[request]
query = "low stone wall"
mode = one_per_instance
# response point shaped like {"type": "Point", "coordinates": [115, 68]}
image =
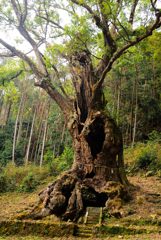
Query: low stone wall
{"type": "Point", "coordinates": [104, 231]}
{"type": "Point", "coordinates": [37, 228]}
{"type": "Point", "coordinates": [49, 229]}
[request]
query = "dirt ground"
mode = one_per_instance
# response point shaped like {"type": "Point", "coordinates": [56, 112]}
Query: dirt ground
{"type": "Point", "coordinates": [132, 237]}
{"type": "Point", "coordinates": [146, 198]}
{"type": "Point", "coordinates": [144, 204]}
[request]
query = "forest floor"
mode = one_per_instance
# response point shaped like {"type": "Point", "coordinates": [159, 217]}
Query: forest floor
{"type": "Point", "coordinates": [144, 206]}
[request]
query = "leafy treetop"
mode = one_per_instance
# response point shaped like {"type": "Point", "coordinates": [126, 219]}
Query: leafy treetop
{"type": "Point", "coordinates": [104, 30]}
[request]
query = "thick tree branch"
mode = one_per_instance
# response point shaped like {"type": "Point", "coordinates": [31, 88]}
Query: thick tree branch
{"type": "Point", "coordinates": [16, 10]}
{"type": "Point", "coordinates": [25, 11]}
{"type": "Point", "coordinates": [132, 14]}
{"type": "Point", "coordinates": [108, 39]}
{"type": "Point", "coordinates": [102, 24]}
{"type": "Point", "coordinates": [62, 102]}
{"type": "Point", "coordinates": [95, 16]}
{"type": "Point", "coordinates": [25, 34]}
{"type": "Point", "coordinates": [43, 81]}
{"type": "Point", "coordinates": [149, 30]}
{"type": "Point", "coordinates": [21, 18]}
{"type": "Point", "coordinates": [7, 55]}
{"type": "Point", "coordinates": [16, 52]}
{"type": "Point", "coordinates": [113, 28]}
{"type": "Point", "coordinates": [153, 5]}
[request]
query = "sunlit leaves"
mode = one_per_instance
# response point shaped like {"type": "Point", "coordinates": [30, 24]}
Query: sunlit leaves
{"type": "Point", "coordinates": [62, 27]}
{"type": "Point", "coordinates": [154, 45]}
{"type": "Point", "coordinates": [11, 92]}
{"type": "Point", "coordinates": [8, 70]}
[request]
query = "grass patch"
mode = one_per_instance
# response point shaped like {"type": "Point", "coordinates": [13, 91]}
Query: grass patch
{"type": "Point", "coordinates": [23, 179]}
{"type": "Point", "coordinates": [26, 179]}
{"type": "Point", "coordinates": [143, 158]}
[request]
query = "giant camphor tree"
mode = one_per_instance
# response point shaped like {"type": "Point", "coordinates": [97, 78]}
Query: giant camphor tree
{"type": "Point", "coordinates": [95, 34]}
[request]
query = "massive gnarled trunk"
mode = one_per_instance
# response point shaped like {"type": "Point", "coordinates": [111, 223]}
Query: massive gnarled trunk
{"type": "Point", "coordinates": [97, 177]}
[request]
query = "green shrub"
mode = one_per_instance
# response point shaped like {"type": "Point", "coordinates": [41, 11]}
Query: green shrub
{"type": "Point", "coordinates": [63, 166]}
{"type": "Point", "coordinates": [3, 183]}
{"type": "Point", "coordinates": [6, 155]}
{"type": "Point", "coordinates": [7, 185]}
{"type": "Point", "coordinates": [19, 155]}
{"type": "Point", "coordinates": [147, 159]}
{"type": "Point", "coordinates": [23, 179]}
{"type": "Point", "coordinates": [144, 156]}
{"type": "Point", "coordinates": [29, 183]}
{"type": "Point", "coordinates": [67, 157]}
{"type": "Point", "coordinates": [61, 163]}
{"type": "Point", "coordinates": [155, 136]}
{"type": "Point", "coordinates": [53, 167]}
{"type": "Point", "coordinates": [26, 179]}
{"type": "Point", "coordinates": [48, 156]}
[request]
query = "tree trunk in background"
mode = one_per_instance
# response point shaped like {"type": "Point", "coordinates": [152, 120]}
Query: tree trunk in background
{"type": "Point", "coordinates": [38, 142]}
{"type": "Point", "coordinates": [28, 148]}
{"type": "Point", "coordinates": [43, 143]}
{"type": "Point", "coordinates": [54, 149]}
{"type": "Point", "coordinates": [55, 144]}
{"type": "Point", "coordinates": [21, 118]}
{"type": "Point", "coordinates": [113, 108]}
{"type": "Point", "coordinates": [1, 104]}
{"type": "Point", "coordinates": [136, 107]}
{"type": "Point", "coordinates": [9, 111]}
{"type": "Point", "coordinates": [131, 114]}
{"type": "Point", "coordinates": [28, 127]}
{"type": "Point", "coordinates": [4, 116]}
{"type": "Point", "coordinates": [41, 137]}
{"type": "Point", "coordinates": [38, 128]}
{"type": "Point", "coordinates": [59, 145]}
{"type": "Point", "coordinates": [118, 100]}
{"type": "Point", "coordinates": [45, 128]}
{"type": "Point", "coordinates": [15, 132]}
{"type": "Point", "coordinates": [62, 136]}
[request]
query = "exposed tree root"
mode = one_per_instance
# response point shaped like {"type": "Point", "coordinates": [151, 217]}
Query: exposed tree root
{"type": "Point", "coordinates": [69, 195]}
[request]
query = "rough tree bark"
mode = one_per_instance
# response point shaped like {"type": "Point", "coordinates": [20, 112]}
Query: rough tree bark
{"type": "Point", "coordinates": [98, 176]}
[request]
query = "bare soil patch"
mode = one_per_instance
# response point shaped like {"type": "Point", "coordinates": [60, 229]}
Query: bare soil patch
{"type": "Point", "coordinates": [146, 198]}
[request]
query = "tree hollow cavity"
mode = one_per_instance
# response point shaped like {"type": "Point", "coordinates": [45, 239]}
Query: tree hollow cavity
{"type": "Point", "coordinates": [91, 198]}
{"type": "Point", "coordinates": [90, 175]}
{"type": "Point", "coordinates": [96, 137]}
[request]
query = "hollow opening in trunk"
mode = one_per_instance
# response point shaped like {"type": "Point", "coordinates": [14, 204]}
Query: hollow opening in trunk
{"type": "Point", "coordinates": [96, 137]}
{"type": "Point", "coordinates": [94, 199]}
{"type": "Point", "coordinates": [90, 175]}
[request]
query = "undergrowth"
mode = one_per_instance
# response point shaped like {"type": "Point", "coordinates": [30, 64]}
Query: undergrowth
{"type": "Point", "coordinates": [22, 179]}
{"type": "Point", "coordinates": [26, 179]}
{"type": "Point", "coordinates": [143, 158]}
